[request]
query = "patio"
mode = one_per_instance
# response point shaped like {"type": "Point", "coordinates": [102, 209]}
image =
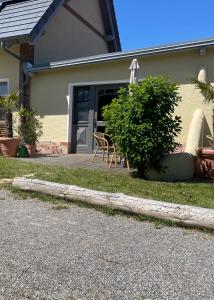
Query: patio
{"type": "Point", "coordinates": [75, 161]}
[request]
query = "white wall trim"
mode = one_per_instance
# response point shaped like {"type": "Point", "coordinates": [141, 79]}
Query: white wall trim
{"type": "Point", "coordinates": [70, 99]}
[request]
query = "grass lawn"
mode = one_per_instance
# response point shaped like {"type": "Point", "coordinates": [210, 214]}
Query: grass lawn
{"type": "Point", "coordinates": [198, 194]}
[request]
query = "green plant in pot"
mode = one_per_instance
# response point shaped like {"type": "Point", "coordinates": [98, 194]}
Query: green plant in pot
{"type": "Point", "coordinates": [207, 91]}
{"type": "Point", "coordinates": [9, 143]}
{"type": "Point", "coordinates": [30, 128]}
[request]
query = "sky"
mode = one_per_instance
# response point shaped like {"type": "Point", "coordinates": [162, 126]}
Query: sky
{"type": "Point", "coordinates": [145, 23]}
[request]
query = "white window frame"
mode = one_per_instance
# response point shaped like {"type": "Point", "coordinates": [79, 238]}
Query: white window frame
{"type": "Point", "coordinates": [7, 81]}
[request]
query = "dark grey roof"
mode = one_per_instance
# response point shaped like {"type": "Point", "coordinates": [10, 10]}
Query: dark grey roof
{"type": "Point", "coordinates": [24, 19]}
{"type": "Point", "coordinates": [197, 45]}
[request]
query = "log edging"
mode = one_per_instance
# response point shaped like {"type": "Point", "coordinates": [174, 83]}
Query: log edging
{"type": "Point", "coordinates": [178, 213]}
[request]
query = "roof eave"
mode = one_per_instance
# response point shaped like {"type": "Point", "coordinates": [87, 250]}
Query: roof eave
{"type": "Point", "coordinates": [110, 24]}
{"type": "Point", "coordinates": [20, 39]}
{"type": "Point", "coordinates": [115, 26]}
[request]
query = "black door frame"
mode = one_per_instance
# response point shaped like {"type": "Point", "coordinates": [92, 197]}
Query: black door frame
{"type": "Point", "coordinates": [92, 116]}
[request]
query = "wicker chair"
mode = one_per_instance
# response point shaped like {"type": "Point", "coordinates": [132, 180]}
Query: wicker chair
{"type": "Point", "coordinates": [103, 145]}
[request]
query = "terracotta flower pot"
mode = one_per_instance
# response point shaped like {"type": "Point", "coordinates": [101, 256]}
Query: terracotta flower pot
{"type": "Point", "coordinates": [31, 149]}
{"type": "Point", "coordinates": [9, 146]}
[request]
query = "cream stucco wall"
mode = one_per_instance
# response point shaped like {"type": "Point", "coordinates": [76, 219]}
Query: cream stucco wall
{"type": "Point", "coordinates": [9, 68]}
{"type": "Point", "coordinates": [66, 37]}
{"type": "Point", "coordinates": [49, 100]}
{"type": "Point", "coordinates": [50, 88]}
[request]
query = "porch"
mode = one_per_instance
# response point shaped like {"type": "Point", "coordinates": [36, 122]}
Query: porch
{"type": "Point", "coordinates": [75, 161]}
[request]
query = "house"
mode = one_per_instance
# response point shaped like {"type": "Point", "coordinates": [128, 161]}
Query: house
{"type": "Point", "coordinates": [66, 58]}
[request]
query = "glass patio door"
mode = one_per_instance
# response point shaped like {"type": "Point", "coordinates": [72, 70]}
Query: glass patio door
{"type": "Point", "coordinates": [83, 124]}
{"type": "Point", "coordinates": [87, 114]}
{"type": "Point", "coordinates": [104, 96]}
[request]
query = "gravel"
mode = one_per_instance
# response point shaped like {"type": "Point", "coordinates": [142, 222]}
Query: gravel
{"type": "Point", "coordinates": [80, 253]}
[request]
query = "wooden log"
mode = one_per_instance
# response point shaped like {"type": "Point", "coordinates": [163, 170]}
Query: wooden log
{"type": "Point", "coordinates": [180, 214]}
{"type": "Point", "coordinates": [5, 181]}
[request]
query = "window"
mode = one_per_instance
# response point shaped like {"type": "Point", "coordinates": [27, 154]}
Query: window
{"type": "Point", "coordinates": [4, 90]}
{"type": "Point", "coordinates": [82, 100]}
{"type": "Point", "coordinates": [4, 87]}
{"type": "Point", "coordinates": [105, 97]}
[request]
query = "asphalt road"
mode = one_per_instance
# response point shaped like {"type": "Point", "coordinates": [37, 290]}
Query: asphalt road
{"type": "Point", "coordinates": [81, 253]}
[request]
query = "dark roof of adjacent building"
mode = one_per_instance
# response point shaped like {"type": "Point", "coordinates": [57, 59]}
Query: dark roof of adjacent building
{"type": "Point", "coordinates": [23, 20]}
{"type": "Point", "coordinates": [117, 56]}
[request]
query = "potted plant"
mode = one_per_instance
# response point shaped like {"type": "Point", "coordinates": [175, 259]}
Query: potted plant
{"type": "Point", "coordinates": [30, 129]}
{"type": "Point", "coordinates": [9, 143]}
{"type": "Point", "coordinates": [207, 91]}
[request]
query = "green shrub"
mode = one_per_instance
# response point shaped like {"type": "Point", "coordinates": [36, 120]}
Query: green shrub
{"type": "Point", "coordinates": [141, 121]}
{"type": "Point", "coordinates": [30, 128]}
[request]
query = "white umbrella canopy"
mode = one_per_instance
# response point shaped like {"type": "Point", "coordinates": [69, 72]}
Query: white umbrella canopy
{"type": "Point", "coordinates": [134, 71]}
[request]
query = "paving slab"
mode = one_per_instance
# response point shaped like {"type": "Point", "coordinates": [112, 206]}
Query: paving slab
{"type": "Point", "coordinates": [81, 253]}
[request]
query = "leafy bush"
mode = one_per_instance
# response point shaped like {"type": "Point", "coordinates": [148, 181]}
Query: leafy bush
{"type": "Point", "coordinates": [206, 89]}
{"type": "Point", "coordinates": [30, 128]}
{"type": "Point", "coordinates": [141, 121]}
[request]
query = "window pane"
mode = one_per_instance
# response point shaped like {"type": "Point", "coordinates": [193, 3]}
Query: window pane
{"type": "Point", "coordinates": [3, 88]}
{"type": "Point", "coordinates": [82, 104]}
{"type": "Point", "coordinates": [82, 136]}
{"type": "Point", "coordinates": [104, 99]}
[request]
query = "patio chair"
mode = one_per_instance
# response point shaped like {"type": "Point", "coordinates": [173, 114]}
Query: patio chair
{"type": "Point", "coordinates": [103, 145]}
{"type": "Point", "coordinates": [2, 129]}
